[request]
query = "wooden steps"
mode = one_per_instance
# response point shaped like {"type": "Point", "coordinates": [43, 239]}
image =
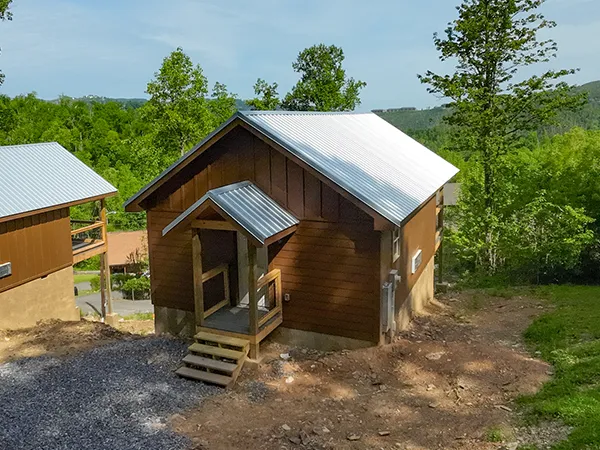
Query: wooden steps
{"type": "Point", "coordinates": [214, 359]}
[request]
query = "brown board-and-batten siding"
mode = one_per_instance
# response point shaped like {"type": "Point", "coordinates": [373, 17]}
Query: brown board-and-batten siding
{"type": "Point", "coordinates": [36, 246]}
{"type": "Point", "coordinates": [330, 266]}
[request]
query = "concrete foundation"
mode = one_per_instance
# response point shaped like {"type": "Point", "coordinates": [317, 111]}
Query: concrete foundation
{"type": "Point", "coordinates": [175, 322]}
{"type": "Point", "coordinates": [319, 341]}
{"type": "Point", "coordinates": [420, 295]}
{"type": "Point", "coordinates": [50, 297]}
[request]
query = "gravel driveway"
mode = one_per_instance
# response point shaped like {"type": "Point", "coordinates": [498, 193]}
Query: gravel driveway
{"type": "Point", "coordinates": [116, 396]}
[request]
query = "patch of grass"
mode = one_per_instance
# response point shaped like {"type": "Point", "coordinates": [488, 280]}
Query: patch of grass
{"type": "Point", "coordinates": [527, 447]}
{"type": "Point", "coordinates": [83, 277]}
{"type": "Point", "coordinates": [569, 338]}
{"type": "Point", "coordinates": [82, 292]}
{"type": "Point", "coordinates": [494, 434]}
{"type": "Point", "coordinates": [139, 316]}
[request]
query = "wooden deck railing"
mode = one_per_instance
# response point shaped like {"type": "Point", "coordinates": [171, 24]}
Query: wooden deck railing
{"type": "Point", "coordinates": [222, 269]}
{"type": "Point", "coordinates": [91, 225]}
{"type": "Point", "coordinates": [273, 277]}
{"type": "Point", "coordinates": [87, 240]}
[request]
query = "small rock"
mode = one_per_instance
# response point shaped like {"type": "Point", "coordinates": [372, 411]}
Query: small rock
{"type": "Point", "coordinates": [505, 408]}
{"type": "Point", "coordinates": [384, 433]}
{"type": "Point", "coordinates": [433, 405]}
{"type": "Point", "coordinates": [304, 437]}
{"type": "Point", "coordinates": [353, 437]}
{"type": "Point", "coordinates": [286, 427]}
{"type": "Point", "coordinates": [285, 356]}
{"type": "Point", "coordinates": [430, 387]}
{"type": "Point", "coordinates": [434, 356]}
{"type": "Point", "coordinates": [295, 440]}
{"type": "Point", "coordinates": [289, 380]}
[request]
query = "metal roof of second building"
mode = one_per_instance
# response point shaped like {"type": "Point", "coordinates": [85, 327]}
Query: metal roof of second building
{"type": "Point", "coordinates": [39, 176]}
{"type": "Point", "coordinates": [248, 206]}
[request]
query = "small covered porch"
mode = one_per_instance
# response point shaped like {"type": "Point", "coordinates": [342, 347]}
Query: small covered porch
{"type": "Point", "coordinates": [235, 293]}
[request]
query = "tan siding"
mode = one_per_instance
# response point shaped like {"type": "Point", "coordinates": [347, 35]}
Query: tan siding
{"type": "Point", "coordinates": [417, 233]}
{"type": "Point", "coordinates": [36, 246]}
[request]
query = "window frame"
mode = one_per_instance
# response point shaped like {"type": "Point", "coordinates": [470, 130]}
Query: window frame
{"type": "Point", "coordinates": [396, 244]}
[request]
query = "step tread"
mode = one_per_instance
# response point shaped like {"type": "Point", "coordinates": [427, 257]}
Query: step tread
{"type": "Point", "coordinates": [201, 375]}
{"type": "Point", "coordinates": [216, 351]}
{"type": "Point", "coordinates": [220, 339]}
{"type": "Point", "coordinates": [209, 363]}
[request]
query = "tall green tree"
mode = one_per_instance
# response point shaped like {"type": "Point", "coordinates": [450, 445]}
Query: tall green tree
{"type": "Point", "coordinates": [323, 84]}
{"type": "Point", "coordinates": [180, 109]}
{"type": "Point", "coordinates": [492, 105]}
{"type": "Point", "coordinates": [267, 97]}
{"type": "Point", "coordinates": [5, 14]}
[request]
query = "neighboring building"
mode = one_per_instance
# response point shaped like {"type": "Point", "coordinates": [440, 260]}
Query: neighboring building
{"type": "Point", "coordinates": [126, 250]}
{"type": "Point", "coordinates": [451, 193]}
{"type": "Point", "coordinates": [324, 223]}
{"type": "Point", "coordinates": [38, 242]}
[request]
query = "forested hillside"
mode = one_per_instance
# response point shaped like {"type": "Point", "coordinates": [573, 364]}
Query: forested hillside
{"type": "Point", "coordinates": [417, 121]}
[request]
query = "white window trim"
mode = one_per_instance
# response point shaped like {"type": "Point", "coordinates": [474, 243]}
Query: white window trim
{"type": "Point", "coordinates": [396, 237]}
{"type": "Point", "coordinates": [418, 256]}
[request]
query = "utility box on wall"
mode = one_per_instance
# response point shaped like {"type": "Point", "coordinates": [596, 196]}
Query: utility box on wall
{"type": "Point", "coordinates": [5, 270]}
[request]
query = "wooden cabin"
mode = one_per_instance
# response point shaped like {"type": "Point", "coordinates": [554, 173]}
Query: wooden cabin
{"type": "Point", "coordinates": [324, 225]}
{"type": "Point", "coordinates": [39, 243]}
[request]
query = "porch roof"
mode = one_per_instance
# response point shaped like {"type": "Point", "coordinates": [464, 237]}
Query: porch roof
{"type": "Point", "coordinates": [249, 209]}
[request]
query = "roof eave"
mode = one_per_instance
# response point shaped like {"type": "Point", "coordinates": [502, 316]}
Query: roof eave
{"type": "Point", "coordinates": [133, 204]}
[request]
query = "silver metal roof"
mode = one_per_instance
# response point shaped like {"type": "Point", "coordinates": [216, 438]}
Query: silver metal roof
{"type": "Point", "coordinates": [38, 176]}
{"type": "Point", "coordinates": [361, 153]}
{"type": "Point", "coordinates": [248, 206]}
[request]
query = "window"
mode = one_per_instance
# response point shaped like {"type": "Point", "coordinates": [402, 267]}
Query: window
{"type": "Point", "coordinates": [396, 244]}
{"type": "Point", "coordinates": [416, 261]}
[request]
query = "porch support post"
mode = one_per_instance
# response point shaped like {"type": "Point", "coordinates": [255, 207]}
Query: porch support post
{"type": "Point", "coordinates": [105, 294]}
{"type": "Point", "coordinates": [198, 288]}
{"type": "Point", "coordinates": [252, 299]}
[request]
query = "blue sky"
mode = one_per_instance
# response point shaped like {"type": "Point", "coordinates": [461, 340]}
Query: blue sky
{"type": "Point", "coordinates": [113, 47]}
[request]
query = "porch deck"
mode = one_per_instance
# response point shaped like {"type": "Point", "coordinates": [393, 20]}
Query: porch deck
{"type": "Point", "coordinates": [234, 320]}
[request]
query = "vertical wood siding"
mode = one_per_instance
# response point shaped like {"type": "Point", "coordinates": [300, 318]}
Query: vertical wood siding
{"type": "Point", "coordinates": [330, 265]}
{"type": "Point", "coordinates": [330, 270]}
{"type": "Point", "coordinates": [36, 246]}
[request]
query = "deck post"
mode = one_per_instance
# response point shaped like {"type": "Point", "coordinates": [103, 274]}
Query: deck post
{"type": "Point", "coordinates": [105, 293]}
{"type": "Point", "coordinates": [198, 288]}
{"type": "Point", "coordinates": [252, 299]}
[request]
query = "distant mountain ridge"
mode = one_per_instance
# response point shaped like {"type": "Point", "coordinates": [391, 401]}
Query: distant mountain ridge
{"type": "Point", "coordinates": [133, 102]}
{"type": "Point", "coordinates": [409, 120]}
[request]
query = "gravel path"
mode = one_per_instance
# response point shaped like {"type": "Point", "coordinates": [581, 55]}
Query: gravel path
{"type": "Point", "coordinates": [112, 397]}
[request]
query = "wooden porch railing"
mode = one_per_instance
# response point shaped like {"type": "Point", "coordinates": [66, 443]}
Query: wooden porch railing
{"type": "Point", "coordinates": [273, 277]}
{"type": "Point", "coordinates": [91, 225]}
{"type": "Point", "coordinates": [222, 269]}
{"type": "Point", "coordinates": [86, 245]}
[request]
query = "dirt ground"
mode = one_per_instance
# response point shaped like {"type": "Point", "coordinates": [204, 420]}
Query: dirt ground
{"type": "Point", "coordinates": [448, 382]}
{"type": "Point", "coordinates": [56, 338]}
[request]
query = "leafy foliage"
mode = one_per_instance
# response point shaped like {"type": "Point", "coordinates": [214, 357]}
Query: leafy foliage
{"type": "Point", "coordinates": [267, 98]}
{"type": "Point", "coordinates": [179, 110]}
{"type": "Point", "coordinates": [491, 111]}
{"type": "Point", "coordinates": [136, 288]}
{"type": "Point", "coordinates": [5, 14]}
{"type": "Point", "coordinates": [323, 84]}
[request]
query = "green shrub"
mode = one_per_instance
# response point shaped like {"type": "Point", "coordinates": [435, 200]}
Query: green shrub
{"type": "Point", "coordinates": [89, 264]}
{"type": "Point", "coordinates": [95, 283]}
{"type": "Point", "coordinates": [117, 280]}
{"type": "Point", "coordinates": [137, 288]}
